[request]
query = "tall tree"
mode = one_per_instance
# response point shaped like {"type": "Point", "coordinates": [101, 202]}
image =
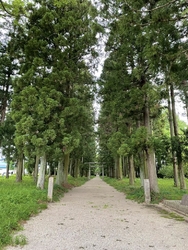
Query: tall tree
{"type": "Point", "coordinates": [51, 50]}
{"type": "Point", "coordinates": [144, 36]}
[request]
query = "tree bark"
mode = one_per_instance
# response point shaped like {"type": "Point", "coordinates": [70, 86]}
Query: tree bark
{"type": "Point", "coordinates": [142, 167]}
{"type": "Point", "coordinates": [118, 167]}
{"type": "Point", "coordinates": [150, 155]}
{"type": "Point", "coordinates": [41, 178]}
{"type": "Point", "coordinates": [76, 168]}
{"type": "Point", "coordinates": [142, 161]}
{"type": "Point", "coordinates": [19, 168]}
{"type": "Point", "coordinates": [170, 117]}
{"type": "Point", "coordinates": [185, 92]}
{"type": "Point", "coordinates": [7, 169]}
{"type": "Point", "coordinates": [178, 152]}
{"type": "Point", "coordinates": [59, 177]}
{"type": "Point", "coordinates": [35, 174]}
{"type": "Point", "coordinates": [70, 167]}
{"type": "Point", "coordinates": [66, 168]}
{"type": "Point", "coordinates": [131, 170]}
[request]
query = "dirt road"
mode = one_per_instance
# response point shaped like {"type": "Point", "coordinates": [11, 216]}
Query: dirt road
{"type": "Point", "coordinates": [97, 217]}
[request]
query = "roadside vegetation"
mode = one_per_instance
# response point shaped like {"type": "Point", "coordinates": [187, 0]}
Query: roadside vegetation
{"type": "Point", "coordinates": [136, 192]}
{"type": "Point", "coordinates": [20, 201]}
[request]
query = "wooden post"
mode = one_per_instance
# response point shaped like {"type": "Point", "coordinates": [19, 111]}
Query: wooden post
{"type": "Point", "coordinates": [147, 191]}
{"type": "Point", "coordinates": [50, 188]}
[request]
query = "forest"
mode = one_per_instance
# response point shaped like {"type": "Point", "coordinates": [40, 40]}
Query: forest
{"type": "Point", "coordinates": [50, 52]}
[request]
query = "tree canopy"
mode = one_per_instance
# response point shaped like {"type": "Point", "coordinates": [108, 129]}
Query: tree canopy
{"type": "Point", "coordinates": [48, 52]}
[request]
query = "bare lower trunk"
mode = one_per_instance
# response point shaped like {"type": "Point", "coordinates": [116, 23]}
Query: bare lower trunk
{"type": "Point", "coordinates": [131, 170]}
{"type": "Point", "coordinates": [178, 151]}
{"type": "Point", "coordinates": [76, 168]}
{"type": "Point", "coordinates": [181, 176]}
{"type": "Point", "coordinates": [70, 167]}
{"type": "Point", "coordinates": [142, 167]}
{"type": "Point", "coordinates": [35, 174]}
{"type": "Point", "coordinates": [59, 177]}
{"type": "Point", "coordinates": [142, 162]}
{"type": "Point", "coordinates": [41, 178]}
{"type": "Point", "coordinates": [150, 160]}
{"type": "Point", "coordinates": [19, 168]}
{"type": "Point", "coordinates": [118, 168]}
{"type": "Point", "coordinates": [150, 154]}
{"type": "Point", "coordinates": [115, 169]}
{"type": "Point", "coordinates": [175, 169]}
{"type": "Point", "coordinates": [7, 170]}
{"type": "Point", "coordinates": [66, 168]}
{"type": "Point", "coordinates": [170, 117]}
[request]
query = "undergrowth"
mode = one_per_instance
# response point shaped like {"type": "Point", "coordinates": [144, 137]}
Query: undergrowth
{"type": "Point", "coordinates": [19, 201]}
{"type": "Point", "coordinates": [136, 192]}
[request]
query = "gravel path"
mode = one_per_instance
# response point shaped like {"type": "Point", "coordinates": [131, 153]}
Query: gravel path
{"type": "Point", "coordinates": [97, 217]}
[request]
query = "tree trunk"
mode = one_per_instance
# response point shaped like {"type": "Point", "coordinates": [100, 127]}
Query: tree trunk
{"type": "Point", "coordinates": [115, 168]}
{"type": "Point", "coordinates": [5, 98]}
{"type": "Point", "coordinates": [76, 168]}
{"type": "Point", "coordinates": [142, 167]}
{"type": "Point", "coordinates": [70, 167]}
{"type": "Point", "coordinates": [185, 92]}
{"type": "Point", "coordinates": [59, 177]}
{"type": "Point", "coordinates": [41, 178]}
{"type": "Point", "coordinates": [170, 117]}
{"type": "Point", "coordinates": [178, 152]}
{"type": "Point", "coordinates": [19, 168]}
{"type": "Point", "coordinates": [131, 170]}
{"type": "Point", "coordinates": [118, 167]}
{"type": "Point", "coordinates": [150, 155]}
{"type": "Point", "coordinates": [142, 162]}
{"type": "Point", "coordinates": [66, 168]}
{"type": "Point", "coordinates": [8, 167]}
{"type": "Point", "coordinates": [35, 174]}
{"type": "Point", "coordinates": [126, 166]}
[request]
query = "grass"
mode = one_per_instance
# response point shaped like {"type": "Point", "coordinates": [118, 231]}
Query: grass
{"type": "Point", "coordinates": [136, 192]}
{"type": "Point", "coordinates": [19, 201]}
{"type": "Point", "coordinates": [171, 215]}
{"type": "Point", "coordinates": [19, 240]}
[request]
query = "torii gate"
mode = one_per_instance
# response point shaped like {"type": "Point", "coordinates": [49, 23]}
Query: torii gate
{"type": "Point", "coordinates": [94, 164]}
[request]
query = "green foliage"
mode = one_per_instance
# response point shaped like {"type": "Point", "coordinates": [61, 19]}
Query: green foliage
{"type": "Point", "coordinates": [52, 92]}
{"type": "Point", "coordinates": [136, 193]}
{"type": "Point", "coordinates": [19, 201]}
{"type": "Point", "coordinates": [19, 240]}
{"type": "Point", "coordinates": [124, 149]}
{"type": "Point", "coordinates": [166, 171]}
{"type": "Point", "coordinates": [114, 142]}
{"type": "Point", "coordinates": [171, 215]}
{"type": "Point", "coordinates": [139, 138]}
{"type": "Point", "coordinates": [77, 182]}
{"type": "Point", "coordinates": [61, 3]}
{"type": "Point", "coordinates": [145, 51]}
{"type": "Point", "coordinates": [133, 193]}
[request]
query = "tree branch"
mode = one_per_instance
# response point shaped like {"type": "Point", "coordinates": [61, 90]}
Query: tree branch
{"type": "Point", "coordinates": [3, 6]}
{"type": "Point", "coordinates": [159, 7]}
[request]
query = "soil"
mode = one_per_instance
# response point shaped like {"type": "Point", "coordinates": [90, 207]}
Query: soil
{"type": "Point", "coordinates": [95, 216]}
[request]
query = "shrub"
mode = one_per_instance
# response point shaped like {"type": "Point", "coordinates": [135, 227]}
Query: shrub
{"type": "Point", "coordinates": [166, 172]}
